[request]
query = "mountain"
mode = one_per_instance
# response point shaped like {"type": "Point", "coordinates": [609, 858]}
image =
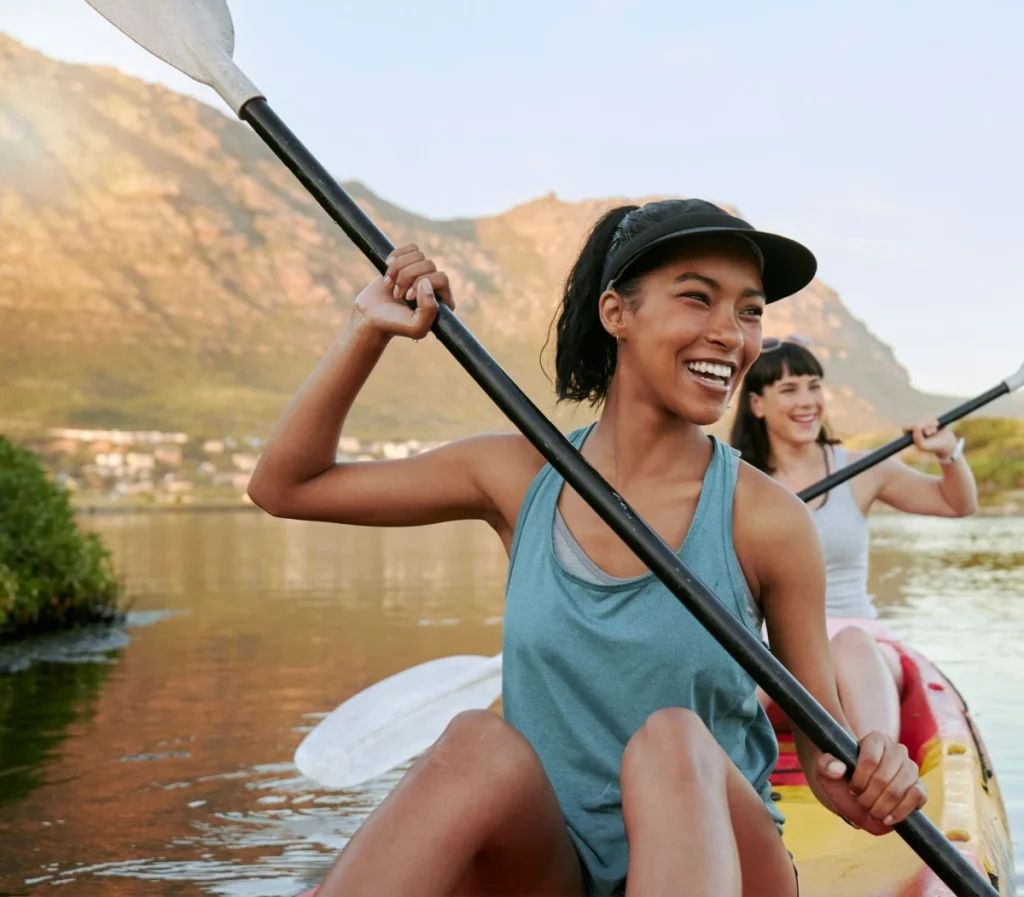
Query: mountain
{"type": "Point", "coordinates": [160, 268]}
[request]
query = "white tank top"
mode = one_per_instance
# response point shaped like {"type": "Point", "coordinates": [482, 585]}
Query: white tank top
{"type": "Point", "coordinates": [843, 531]}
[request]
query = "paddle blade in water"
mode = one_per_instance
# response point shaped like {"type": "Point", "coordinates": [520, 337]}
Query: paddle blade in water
{"type": "Point", "coordinates": [396, 719]}
{"type": "Point", "coordinates": [197, 37]}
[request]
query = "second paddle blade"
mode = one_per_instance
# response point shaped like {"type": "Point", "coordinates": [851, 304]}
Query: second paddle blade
{"type": "Point", "coordinates": [396, 719]}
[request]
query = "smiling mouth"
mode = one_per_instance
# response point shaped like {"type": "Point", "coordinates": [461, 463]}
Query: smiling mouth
{"type": "Point", "coordinates": [804, 418]}
{"type": "Point", "coordinates": [716, 375]}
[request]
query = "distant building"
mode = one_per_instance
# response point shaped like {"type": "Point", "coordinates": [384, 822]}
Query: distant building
{"type": "Point", "coordinates": [244, 462]}
{"type": "Point", "coordinates": [109, 459]}
{"type": "Point", "coordinates": [137, 461]}
{"type": "Point", "coordinates": [62, 447]}
{"type": "Point", "coordinates": [169, 456]}
{"type": "Point", "coordinates": [213, 446]}
{"type": "Point", "coordinates": [120, 437]}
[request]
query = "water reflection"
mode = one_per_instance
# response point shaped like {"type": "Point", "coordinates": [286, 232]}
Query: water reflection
{"type": "Point", "coordinates": [38, 709]}
{"type": "Point", "coordinates": [169, 768]}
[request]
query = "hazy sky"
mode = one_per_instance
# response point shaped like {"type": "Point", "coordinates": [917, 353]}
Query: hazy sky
{"type": "Point", "coordinates": [889, 137]}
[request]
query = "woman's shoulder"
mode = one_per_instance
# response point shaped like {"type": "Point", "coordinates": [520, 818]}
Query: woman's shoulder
{"type": "Point", "coordinates": [504, 455]}
{"type": "Point", "coordinates": [760, 497]}
{"type": "Point", "coordinates": [770, 523]}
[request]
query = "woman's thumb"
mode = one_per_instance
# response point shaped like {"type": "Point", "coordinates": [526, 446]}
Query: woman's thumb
{"type": "Point", "coordinates": [426, 309]}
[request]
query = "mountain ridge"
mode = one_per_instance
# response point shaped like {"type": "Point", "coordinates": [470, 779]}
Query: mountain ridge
{"type": "Point", "coordinates": [159, 267]}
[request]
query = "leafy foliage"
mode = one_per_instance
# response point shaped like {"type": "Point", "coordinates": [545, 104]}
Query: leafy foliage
{"type": "Point", "coordinates": [994, 448]}
{"type": "Point", "coordinates": [52, 575]}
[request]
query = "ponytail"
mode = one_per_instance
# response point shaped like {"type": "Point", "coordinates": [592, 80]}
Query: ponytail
{"type": "Point", "coordinates": [585, 351]}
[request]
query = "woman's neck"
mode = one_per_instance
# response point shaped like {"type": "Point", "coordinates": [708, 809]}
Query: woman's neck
{"type": "Point", "coordinates": [635, 440]}
{"type": "Point", "coordinates": [789, 459]}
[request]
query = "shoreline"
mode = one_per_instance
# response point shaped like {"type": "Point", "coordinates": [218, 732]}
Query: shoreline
{"type": "Point", "coordinates": [103, 510]}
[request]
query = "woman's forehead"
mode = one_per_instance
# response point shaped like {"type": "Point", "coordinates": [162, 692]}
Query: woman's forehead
{"type": "Point", "coordinates": [787, 377]}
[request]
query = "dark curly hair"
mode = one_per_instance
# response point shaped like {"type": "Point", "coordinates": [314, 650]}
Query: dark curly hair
{"type": "Point", "coordinates": [584, 351]}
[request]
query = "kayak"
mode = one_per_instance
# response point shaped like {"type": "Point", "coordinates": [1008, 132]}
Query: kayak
{"type": "Point", "coordinates": [835, 860]}
{"type": "Point", "coordinates": [964, 802]}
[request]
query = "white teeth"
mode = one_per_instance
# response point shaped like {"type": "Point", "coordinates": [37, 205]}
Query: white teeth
{"type": "Point", "coordinates": [707, 367]}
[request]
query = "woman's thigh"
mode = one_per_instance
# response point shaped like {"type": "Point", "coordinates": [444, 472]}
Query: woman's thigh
{"type": "Point", "coordinates": [476, 815]}
{"type": "Point", "coordinates": [692, 818]}
{"type": "Point", "coordinates": [766, 865]}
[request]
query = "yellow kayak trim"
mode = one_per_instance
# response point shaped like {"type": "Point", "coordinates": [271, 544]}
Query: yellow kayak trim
{"type": "Point", "coordinates": [964, 802]}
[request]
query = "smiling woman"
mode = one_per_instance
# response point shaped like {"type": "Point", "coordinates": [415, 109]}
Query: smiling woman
{"type": "Point", "coordinates": [781, 428]}
{"type": "Point", "coordinates": [632, 745]}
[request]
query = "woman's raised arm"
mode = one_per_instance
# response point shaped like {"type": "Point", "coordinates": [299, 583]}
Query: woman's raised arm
{"type": "Point", "coordinates": [297, 475]}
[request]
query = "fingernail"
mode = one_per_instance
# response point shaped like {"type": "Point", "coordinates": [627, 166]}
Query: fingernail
{"type": "Point", "coordinates": [836, 768]}
{"type": "Point", "coordinates": [387, 279]}
{"type": "Point", "coordinates": [408, 295]}
{"type": "Point", "coordinates": [887, 820]}
{"type": "Point", "coordinates": [427, 288]}
{"type": "Point", "coordinates": [397, 291]}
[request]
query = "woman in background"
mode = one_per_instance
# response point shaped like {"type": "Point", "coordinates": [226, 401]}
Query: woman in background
{"type": "Point", "coordinates": [781, 428]}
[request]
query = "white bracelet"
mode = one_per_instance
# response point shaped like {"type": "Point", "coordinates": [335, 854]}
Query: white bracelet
{"type": "Point", "coordinates": [957, 452]}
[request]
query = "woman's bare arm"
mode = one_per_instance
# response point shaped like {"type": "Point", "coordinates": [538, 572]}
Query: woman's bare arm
{"type": "Point", "coordinates": [297, 475]}
{"type": "Point", "coordinates": [780, 541]}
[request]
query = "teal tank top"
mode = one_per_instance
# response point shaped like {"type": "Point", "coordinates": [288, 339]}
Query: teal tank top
{"type": "Point", "coordinates": [586, 662]}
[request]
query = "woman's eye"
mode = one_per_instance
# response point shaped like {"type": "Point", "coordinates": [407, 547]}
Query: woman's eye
{"type": "Point", "coordinates": [699, 297]}
{"type": "Point", "coordinates": [755, 311]}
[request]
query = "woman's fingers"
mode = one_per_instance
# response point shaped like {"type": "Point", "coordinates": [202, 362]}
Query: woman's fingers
{"type": "Point", "coordinates": [424, 313]}
{"type": "Point", "coordinates": [887, 781]}
{"type": "Point", "coordinates": [407, 276]}
{"type": "Point", "coordinates": [872, 749]}
{"type": "Point", "coordinates": [914, 797]}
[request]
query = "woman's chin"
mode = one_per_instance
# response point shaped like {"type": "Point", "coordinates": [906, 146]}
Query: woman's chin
{"type": "Point", "coordinates": [804, 435]}
{"type": "Point", "coordinates": [704, 414]}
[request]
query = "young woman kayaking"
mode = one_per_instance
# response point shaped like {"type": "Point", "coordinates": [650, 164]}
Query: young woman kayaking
{"type": "Point", "coordinates": [781, 428]}
{"type": "Point", "coordinates": [633, 753]}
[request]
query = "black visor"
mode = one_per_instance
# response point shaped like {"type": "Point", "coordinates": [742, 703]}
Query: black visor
{"type": "Point", "coordinates": [787, 266]}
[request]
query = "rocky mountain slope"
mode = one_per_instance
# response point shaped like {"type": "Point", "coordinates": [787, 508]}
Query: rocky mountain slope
{"type": "Point", "coordinates": [159, 268]}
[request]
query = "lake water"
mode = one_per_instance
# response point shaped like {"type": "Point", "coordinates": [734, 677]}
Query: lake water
{"type": "Point", "coordinates": [157, 760]}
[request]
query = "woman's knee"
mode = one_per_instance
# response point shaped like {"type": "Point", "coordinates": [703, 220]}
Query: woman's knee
{"type": "Point", "coordinates": [481, 747]}
{"type": "Point", "coordinates": [853, 643]}
{"type": "Point", "coordinates": [672, 742]}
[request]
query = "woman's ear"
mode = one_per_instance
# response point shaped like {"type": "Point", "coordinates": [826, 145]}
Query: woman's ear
{"type": "Point", "coordinates": [757, 406]}
{"type": "Point", "coordinates": [612, 311]}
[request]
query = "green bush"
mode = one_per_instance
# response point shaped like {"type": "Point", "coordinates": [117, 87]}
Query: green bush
{"type": "Point", "coordinates": [52, 575]}
{"type": "Point", "coordinates": [993, 446]}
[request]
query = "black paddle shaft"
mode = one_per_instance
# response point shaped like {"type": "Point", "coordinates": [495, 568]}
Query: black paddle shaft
{"type": "Point", "coordinates": [952, 867]}
{"type": "Point", "coordinates": [900, 443]}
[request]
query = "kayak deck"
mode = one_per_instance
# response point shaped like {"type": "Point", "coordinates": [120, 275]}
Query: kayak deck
{"type": "Point", "coordinates": [964, 802]}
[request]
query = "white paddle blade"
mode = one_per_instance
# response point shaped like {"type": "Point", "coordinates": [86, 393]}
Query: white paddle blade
{"type": "Point", "coordinates": [1015, 381]}
{"type": "Point", "coordinates": [195, 36]}
{"type": "Point", "coordinates": [396, 719]}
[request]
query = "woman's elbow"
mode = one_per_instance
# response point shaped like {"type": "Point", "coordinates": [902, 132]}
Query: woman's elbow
{"type": "Point", "coordinates": [969, 507]}
{"type": "Point", "coordinates": [265, 496]}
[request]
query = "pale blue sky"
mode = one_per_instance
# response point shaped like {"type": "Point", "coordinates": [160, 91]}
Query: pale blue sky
{"type": "Point", "coordinates": [889, 137]}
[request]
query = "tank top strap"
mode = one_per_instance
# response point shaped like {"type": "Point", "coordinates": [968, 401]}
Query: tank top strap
{"type": "Point", "coordinates": [547, 478]}
{"type": "Point", "coordinates": [712, 518]}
